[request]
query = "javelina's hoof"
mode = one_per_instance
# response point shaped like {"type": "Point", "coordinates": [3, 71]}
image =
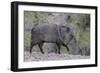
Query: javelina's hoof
{"type": "Point", "coordinates": [42, 52]}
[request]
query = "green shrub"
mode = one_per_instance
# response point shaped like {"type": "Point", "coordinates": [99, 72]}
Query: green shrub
{"type": "Point", "coordinates": [27, 37]}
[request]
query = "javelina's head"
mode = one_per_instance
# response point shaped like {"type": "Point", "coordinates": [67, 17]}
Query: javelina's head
{"type": "Point", "coordinates": [66, 34]}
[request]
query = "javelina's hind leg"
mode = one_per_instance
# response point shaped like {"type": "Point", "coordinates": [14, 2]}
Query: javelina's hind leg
{"type": "Point", "coordinates": [31, 46]}
{"type": "Point", "coordinates": [40, 46]}
{"type": "Point", "coordinates": [58, 45]}
{"type": "Point", "coordinates": [31, 49]}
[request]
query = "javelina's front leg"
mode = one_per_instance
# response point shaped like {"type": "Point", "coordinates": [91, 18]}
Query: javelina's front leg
{"type": "Point", "coordinates": [40, 46]}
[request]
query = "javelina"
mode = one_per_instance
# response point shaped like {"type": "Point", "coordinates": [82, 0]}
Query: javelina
{"type": "Point", "coordinates": [61, 35]}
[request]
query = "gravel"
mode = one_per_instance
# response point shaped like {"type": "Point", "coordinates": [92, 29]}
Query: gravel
{"type": "Point", "coordinates": [38, 56]}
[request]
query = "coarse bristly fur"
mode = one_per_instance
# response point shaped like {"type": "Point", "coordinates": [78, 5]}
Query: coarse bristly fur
{"type": "Point", "coordinates": [59, 34]}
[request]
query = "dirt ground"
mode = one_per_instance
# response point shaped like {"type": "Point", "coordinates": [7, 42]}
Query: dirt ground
{"type": "Point", "coordinates": [38, 56]}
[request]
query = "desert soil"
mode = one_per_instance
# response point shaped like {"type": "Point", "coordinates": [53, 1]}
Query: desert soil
{"type": "Point", "coordinates": [38, 56]}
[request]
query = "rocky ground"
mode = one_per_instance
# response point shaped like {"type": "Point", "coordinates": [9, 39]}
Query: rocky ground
{"type": "Point", "coordinates": [38, 56]}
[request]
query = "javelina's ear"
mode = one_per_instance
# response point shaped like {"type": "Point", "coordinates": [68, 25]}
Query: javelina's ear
{"type": "Point", "coordinates": [67, 29]}
{"type": "Point", "coordinates": [64, 29]}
